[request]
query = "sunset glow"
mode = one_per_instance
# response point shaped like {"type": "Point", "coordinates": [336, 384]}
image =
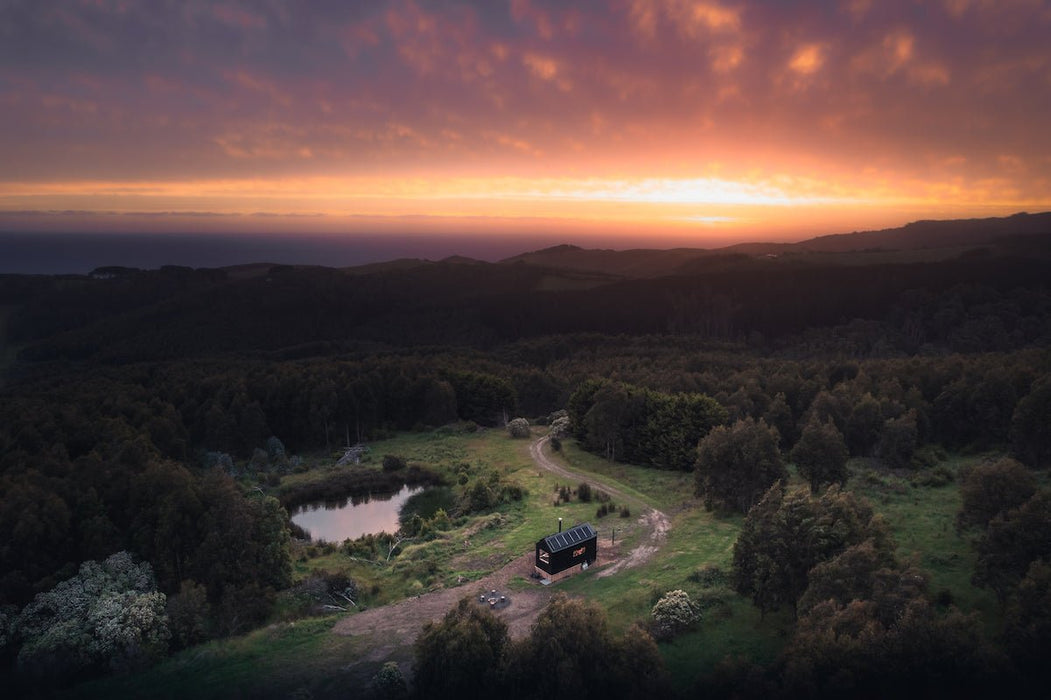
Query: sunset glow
{"type": "Point", "coordinates": [729, 117]}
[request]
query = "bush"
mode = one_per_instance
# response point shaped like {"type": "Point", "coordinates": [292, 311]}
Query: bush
{"type": "Point", "coordinates": [673, 614]}
{"type": "Point", "coordinates": [389, 683]}
{"type": "Point", "coordinates": [993, 488]}
{"type": "Point", "coordinates": [940, 475]}
{"type": "Point", "coordinates": [392, 463]}
{"type": "Point", "coordinates": [708, 576]}
{"type": "Point", "coordinates": [584, 492]}
{"type": "Point", "coordinates": [518, 428]}
{"type": "Point", "coordinates": [625, 512]}
{"type": "Point", "coordinates": [560, 428]}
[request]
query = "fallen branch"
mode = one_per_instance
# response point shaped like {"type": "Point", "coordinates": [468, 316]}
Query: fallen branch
{"type": "Point", "coordinates": [394, 545]}
{"type": "Point", "coordinates": [366, 561]}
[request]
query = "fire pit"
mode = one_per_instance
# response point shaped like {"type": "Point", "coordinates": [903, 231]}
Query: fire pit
{"type": "Point", "coordinates": [494, 599]}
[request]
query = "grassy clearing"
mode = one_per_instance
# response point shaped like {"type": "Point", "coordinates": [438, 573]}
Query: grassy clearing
{"type": "Point", "coordinates": [923, 520]}
{"type": "Point", "coordinates": [658, 489]}
{"type": "Point", "coordinates": [696, 557]}
{"type": "Point", "coordinates": [271, 662]}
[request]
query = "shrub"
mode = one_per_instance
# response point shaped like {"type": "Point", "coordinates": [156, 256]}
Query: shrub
{"type": "Point", "coordinates": [389, 683]}
{"type": "Point", "coordinates": [940, 475]}
{"type": "Point", "coordinates": [625, 512]}
{"type": "Point", "coordinates": [708, 576]}
{"type": "Point", "coordinates": [518, 428]}
{"type": "Point", "coordinates": [673, 614]}
{"type": "Point", "coordinates": [990, 489]}
{"type": "Point", "coordinates": [560, 428]}
{"type": "Point", "coordinates": [584, 492]}
{"type": "Point", "coordinates": [393, 463]}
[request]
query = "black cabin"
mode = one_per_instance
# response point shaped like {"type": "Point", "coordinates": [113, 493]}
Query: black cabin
{"type": "Point", "coordinates": [577, 546]}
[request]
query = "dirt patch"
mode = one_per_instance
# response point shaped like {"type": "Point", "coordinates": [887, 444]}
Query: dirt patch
{"type": "Point", "coordinates": [399, 624]}
{"type": "Point", "coordinates": [657, 523]}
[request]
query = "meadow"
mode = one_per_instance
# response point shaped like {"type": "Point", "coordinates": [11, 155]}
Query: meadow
{"type": "Point", "coordinates": [295, 652]}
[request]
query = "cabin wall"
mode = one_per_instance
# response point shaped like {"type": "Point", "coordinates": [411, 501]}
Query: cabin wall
{"type": "Point", "coordinates": [567, 560]}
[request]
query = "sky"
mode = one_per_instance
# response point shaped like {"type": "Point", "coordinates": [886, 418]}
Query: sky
{"type": "Point", "coordinates": [659, 122]}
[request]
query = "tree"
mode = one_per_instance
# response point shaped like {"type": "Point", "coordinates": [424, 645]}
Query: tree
{"type": "Point", "coordinates": [110, 615]}
{"type": "Point", "coordinates": [614, 413]}
{"type": "Point", "coordinates": [674, 424]}
{"type": "Point", "coordinates": [1028, 625]}
{"type": "Point", "coordinates": [864, 425]}
{"type": "Point", "coordinates": [864, 572]}
{"type": "Point", "coordinates": [898, 440]}
{"type": "Point", "coordinates": [464, 655]}
{"type": "Point", "coordinates": [737, 465]}
{"type": "Point", "coordinates": [821, 455]}
{"type": "Point", "coordinates": [786, 535]}
{"type": "Point", "coordinates": [1012, 542]}
{"type": "Point", "coordinates": [848, 651]}
{"type": "Point", "coordinates": [188, 614]}
{"type": "Point", "coordinates": [580, 402]}
{"type": "Point", "coordinates": [778, 414]}
{"type": "Point", "coordinates": [993, 488]}
{"type": "Point", "coordinates": [571, 652]}
{"type": "Point", "coordinates": [1030, 427]}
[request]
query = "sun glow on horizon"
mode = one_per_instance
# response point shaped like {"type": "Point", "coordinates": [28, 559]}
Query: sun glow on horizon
{"type": "Point", "coordinates": [662, 202]}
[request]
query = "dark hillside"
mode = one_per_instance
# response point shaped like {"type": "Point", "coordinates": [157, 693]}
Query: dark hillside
{"type": "Point", "coordinates": [971, 303]}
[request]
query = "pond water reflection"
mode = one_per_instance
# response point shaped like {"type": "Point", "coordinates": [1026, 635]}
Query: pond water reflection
{"type": "Point", "coordinates": [352, 518]}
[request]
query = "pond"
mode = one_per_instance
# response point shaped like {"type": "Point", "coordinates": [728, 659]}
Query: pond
{"type": "Point", "coordinates": [350, 519]}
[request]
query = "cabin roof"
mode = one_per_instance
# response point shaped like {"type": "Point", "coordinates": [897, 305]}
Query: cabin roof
{"type": "Point", "coordinates": [569, 538]}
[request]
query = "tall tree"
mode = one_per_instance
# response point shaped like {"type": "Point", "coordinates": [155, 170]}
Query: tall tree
{"type": "Point", "coordinates": [898, 441]}
{"type": "Point", "coordinates": [787, 534]}
{"type": "Point", "coordinates": [737, 465]}
{"type": "Point", "coordinates": [1031, 426]}
{"type": "Point", "coordinates": [993, 488]}
{"type": "Point", "coordinates": [463, 656]}
{"type": "Point", "coordinates": [821, 454]}
{"type": "Point", "coordinates": [1013, 541]}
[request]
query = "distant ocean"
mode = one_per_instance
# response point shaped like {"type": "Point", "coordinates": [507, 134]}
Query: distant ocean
{"type": "Point", "coordinates": [80, 253]}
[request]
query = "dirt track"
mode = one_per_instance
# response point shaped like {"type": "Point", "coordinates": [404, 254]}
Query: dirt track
{"type": "Point", "coordinates": [391, 630]}
{"type": "Point", "coordinates": [655, 522]}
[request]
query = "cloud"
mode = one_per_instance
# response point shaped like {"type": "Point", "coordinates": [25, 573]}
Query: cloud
{"type": "Point", "coordinates": [235, 90]}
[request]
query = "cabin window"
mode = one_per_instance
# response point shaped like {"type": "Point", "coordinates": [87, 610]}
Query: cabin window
{"type": "Point", "coordinates": [545, 557]}
{"type": "Point", "coordinates": [578, 552]}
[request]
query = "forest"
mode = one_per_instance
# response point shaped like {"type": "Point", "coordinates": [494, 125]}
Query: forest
{"type": "Point", "coordinates": [157, 426]}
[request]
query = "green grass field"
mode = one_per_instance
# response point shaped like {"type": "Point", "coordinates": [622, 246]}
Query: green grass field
{"type": "Point", "coordinates": [696, 557]}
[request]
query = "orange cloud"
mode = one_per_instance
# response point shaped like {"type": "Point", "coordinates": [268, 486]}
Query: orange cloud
{"type": "Point", "coordinates": [646, 97]}
{"type": "Point", "coordinates": [807, 59]}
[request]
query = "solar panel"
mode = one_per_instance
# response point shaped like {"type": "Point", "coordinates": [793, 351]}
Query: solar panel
{"type": "Point", "coordinates": [570, 537]}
